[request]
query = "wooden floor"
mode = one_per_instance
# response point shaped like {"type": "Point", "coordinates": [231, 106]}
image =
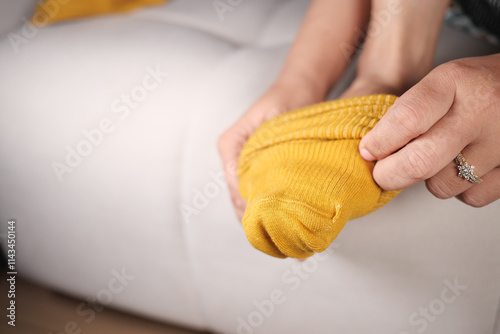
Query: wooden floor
{"type": "Point", "coordinates": [39, 310]}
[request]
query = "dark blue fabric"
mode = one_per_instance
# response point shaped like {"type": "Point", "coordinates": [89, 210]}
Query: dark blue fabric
{"type": "Point", "coordinates": [484, 13]}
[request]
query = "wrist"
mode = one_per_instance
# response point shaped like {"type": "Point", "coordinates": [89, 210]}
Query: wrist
{"type": "Point", "coordinates": [302, 88]}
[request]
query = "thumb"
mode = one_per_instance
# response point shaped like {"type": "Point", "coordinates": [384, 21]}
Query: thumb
{"type": "Point", "coordinates": [399, 141]}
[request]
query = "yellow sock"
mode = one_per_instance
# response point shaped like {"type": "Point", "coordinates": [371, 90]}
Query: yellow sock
{"type": "Point", "coordinates": [50, 11]}
{"type": "Point", "coordinates": [303, 176]}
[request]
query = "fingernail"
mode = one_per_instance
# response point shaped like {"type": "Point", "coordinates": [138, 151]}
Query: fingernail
{"type": "Point", "coordinates": [366, 155]}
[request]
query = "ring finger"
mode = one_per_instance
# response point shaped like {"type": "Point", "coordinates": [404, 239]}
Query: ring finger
{"type": "Point", "coordinates": [484, 193]}
{"type": "Point", "coordinates": [447, 183]}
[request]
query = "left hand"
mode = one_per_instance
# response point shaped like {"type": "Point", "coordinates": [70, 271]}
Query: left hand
{"type": "Point", "coordinates": [455, 108]}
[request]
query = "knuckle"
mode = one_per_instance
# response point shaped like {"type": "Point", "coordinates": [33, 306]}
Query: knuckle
{"type": "Point", "coordinates": [454, 70]}
{"type": "Point", "coordinates": [442, 189]}
{"type": "Point", "coordinates": [417, 165]}
{"type": "Point", "coordinates": [473, 200]}
{"type": "Point", "coordinates": [410, 117]}
{"type": "Point", "coordinates": [383, 181]}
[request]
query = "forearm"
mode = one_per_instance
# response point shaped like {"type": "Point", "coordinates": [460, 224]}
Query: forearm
{"type": "Point", "coordinates": [316, 59]}
{"type": "Point", "coordinates": [401, 40]}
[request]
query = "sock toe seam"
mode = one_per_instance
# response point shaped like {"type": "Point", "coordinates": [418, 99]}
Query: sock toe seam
{"type": "Point", "coordinates": [303, 204]}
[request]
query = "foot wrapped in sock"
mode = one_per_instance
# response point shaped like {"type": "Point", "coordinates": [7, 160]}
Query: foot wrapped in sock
{"type": "Point", "coordinates": [303, 177]}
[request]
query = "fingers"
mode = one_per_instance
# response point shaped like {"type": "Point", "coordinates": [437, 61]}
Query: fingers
{"type": "Point", "coordinates": [412, 114]}
{"type": "Point", "coordinates": [277, 100]}
{"type": "Point", "coordinates": [453, 109]}
{"type": "Point", "coordinates": [484, 193]}
{"type": "Point", "coordinates": [229, 145]}
{"type": "Point", "coordinates": [447, 184]}
{"type": "Point", "coordinates": [425, 157]}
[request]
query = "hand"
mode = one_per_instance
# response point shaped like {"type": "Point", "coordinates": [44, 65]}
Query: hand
{"type": "Point", "coordinates": [278, 99]}
{"type": "Point", "coordinates": [314, 64]}
{"type": "Point", "coordinates": [455, 108]}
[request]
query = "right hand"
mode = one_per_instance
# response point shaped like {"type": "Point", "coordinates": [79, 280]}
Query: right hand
{"type": "Point", "coordinates": [278, 99]}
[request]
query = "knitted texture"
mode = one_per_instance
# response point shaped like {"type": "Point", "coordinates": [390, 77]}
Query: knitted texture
{"type": "Point", "coordinates": [303, 176]}
{"type": "Point", "coordinates": [50, 11]}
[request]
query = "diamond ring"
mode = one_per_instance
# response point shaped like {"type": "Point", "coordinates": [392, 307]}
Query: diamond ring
{"type": "Point", "coordinates": [465, 170]}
